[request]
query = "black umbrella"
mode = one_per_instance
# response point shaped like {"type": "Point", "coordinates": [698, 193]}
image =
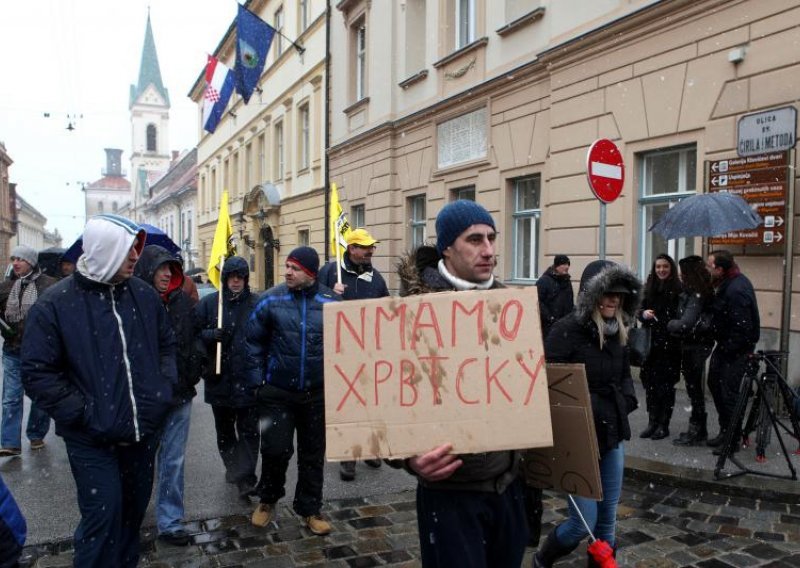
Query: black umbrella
{"type": "Point", "coordinates": [155, 236]}
{"type": "Point", "coordinates": [706, 215]}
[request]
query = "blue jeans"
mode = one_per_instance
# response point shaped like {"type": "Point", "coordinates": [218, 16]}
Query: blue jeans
{"type": "Point", "coordinates": [600, 515]}
{"type": "Point", "coordinates": [171, 458]}
{"type": "Point", "coordinates": [114, 483]}
{"type": "Point", "coordinates": [38, 420]}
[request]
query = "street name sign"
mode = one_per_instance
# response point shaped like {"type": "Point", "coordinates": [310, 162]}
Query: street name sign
{"type": "Point", "coordinates": [768, 131]}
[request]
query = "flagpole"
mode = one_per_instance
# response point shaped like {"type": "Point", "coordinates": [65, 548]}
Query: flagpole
{"type": "Point", "coordinates": [219, 314]}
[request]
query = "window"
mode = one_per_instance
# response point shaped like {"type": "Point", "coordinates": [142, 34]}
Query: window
{"type": "Point", "coordinates": [226, 175]}
{"type": "Point", "coordinates": [462, 139]}
{"type": "Point", "coordinates": [465, 22]}
{"type": "Point", "coordinates": [279, 150]}
{"type": "Point", "coordinates": [360, 60]}
{"type": "Point", "coordinates": [302, 15]}
{"type": "Point", "coordinates": [100, 207]}
{"type": "Point", "coordinates": [466, 192]}
{"type": "Point", "coordinates": [304, 136]}
{"type": "Point", "coordinates": [278, 38]}
{"type": "Point", "coordinates": [262, 158]}
{"type": "Point", "coordinates": [357, 214]}
{"type": "Point", "coordinates": [212, 193]}
{"type": "Point", "coordinates": [303, 238]}
{"type": "Point", "coordinates": [248, 166]}
{"type": "Point", "coordinates": [234, 186]}
{"type": "Point", "coordinates": [151, 138]}
{"type": "Point", "coordinates": [114, 206]}
{"type": "Point", "coordinates": [525, 219]}
{"type": "Point", "coordinates": [667, 176]}
{"type": "Point", "coordinates": [415, 36]}
{"type": "Point", "coordinates": [417, 222]}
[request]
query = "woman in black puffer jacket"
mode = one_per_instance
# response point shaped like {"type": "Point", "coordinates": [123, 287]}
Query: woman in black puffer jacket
{"type": "Point", "coordinates": [596, 335]}
{"type": "Point", "coordinates": [661, 370]}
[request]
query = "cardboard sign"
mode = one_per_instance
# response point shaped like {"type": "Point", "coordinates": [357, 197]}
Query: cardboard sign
{"type": "Point", "coordinates": [572, 464]}
{"type": "Point", "coordinates": [404, 375]}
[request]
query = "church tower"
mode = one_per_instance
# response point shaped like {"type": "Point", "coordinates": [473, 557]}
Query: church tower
{"type": "Point", "coordinates": [149, 108]}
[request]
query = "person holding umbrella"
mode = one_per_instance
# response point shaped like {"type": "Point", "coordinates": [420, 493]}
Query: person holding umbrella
{"type": "Point", "coordinates": [596, 334]}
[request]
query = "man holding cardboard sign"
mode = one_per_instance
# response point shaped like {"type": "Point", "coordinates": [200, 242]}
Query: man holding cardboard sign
{"type": "Point", "coordinates": [470, 507]}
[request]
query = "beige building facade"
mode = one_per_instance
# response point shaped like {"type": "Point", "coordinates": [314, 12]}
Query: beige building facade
{"type": "Point", "coordinates": [269, 154]}
{"type": "Point", "coordinates": [8, 209]}
{"type": "Point", "coordinates": [500, 102]}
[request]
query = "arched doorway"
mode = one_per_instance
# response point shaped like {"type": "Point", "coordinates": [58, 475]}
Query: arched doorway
{"type": "Point", "coordinates": [270, 245]}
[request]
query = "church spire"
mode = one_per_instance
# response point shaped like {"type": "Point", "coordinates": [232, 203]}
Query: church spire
{"type": "Point", "coordinates": [149, 71]}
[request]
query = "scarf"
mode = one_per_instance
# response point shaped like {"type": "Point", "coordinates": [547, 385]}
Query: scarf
{"type": "Point", "coordinates": [611, 327]}
{"type": "Point", "coordinates": [460, 284]}
{"type": "Point", "coordinates": [22, 296]}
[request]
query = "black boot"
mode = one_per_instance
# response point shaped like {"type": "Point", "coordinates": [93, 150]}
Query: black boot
{"type": "Point", "coordinates": [652, 425]}
{"type": "Point", "coordinates": [697, 433]}
{"type": "Point", "coordinates": [550, 551]}
{"type": "Point", "coordinates": [717, 440]}
{"type": "Point", "coordinates": [661, 432]}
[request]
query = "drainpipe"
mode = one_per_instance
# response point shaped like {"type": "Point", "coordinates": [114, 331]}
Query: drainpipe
{"type": "Point", "coordinates": [326, 174]}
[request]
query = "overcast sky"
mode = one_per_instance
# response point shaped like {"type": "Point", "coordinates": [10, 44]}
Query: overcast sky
{"type": "Point", "coordinates": [79, 57]}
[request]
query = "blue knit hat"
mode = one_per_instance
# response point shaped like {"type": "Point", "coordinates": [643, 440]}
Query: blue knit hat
{"type": "Point", "coordinates": [307, 259]}
{"type": "Point", "coordinates": [455, 218]}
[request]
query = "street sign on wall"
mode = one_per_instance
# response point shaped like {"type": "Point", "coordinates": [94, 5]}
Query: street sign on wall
{"type": "Point", "coordinates": [605, 170]}
{"type": "Point", "coordinates": [769, 131]}
{"type": "Point", "coordinates": [763, 182]}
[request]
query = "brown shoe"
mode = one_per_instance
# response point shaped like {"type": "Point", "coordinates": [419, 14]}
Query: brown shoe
{"type": "Point", "coordinates": [37, 444]}
{"type": "Point", "coordinates": [263, 515]}
{"type": "Point", "coordinates": [317, 525]}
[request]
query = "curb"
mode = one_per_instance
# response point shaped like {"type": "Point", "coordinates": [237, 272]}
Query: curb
{"type": "Point", "coordinates": [748, 485]}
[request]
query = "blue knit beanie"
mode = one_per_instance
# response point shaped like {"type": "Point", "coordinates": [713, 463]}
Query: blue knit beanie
{"type": "Point", "coordinates": [455, 218]}
{"type": "Point", "coordinates": [307, 259]}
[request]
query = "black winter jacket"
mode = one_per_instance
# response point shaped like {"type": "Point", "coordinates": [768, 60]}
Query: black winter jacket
{"type": "Point", "coordinates": [76, 355]}
{"type": "Point", "coordinates": [13, 339]}
{"type": "Point", "coordinates": [189, 353]}
{"type": "Point", "coordinates": [362, 283]}
{"type": "Point", "coordinates": [576, 339]}
{"type": "Point", "coordinates": [230, 388]}
{"type": "Point", "coordinates": [735, 319]}
{"type": "Point", "coordinates": [284, 338]}
{"type": "Point", "coordinates": [555, 298]}
{"type": "Point", "coordinates": [487, 471]}
{"type": "Point", "coordinates": [692, 322]}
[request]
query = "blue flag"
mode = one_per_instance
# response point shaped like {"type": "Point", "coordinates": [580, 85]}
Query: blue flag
{"type": "Point", "coordinates": [253, 38]}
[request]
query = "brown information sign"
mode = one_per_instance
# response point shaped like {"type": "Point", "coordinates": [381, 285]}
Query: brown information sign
{"type": "Point", "coordinates": [763, 182]}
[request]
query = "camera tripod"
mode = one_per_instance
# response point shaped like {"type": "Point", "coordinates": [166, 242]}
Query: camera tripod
{"type": "Point", "coordinates": [769, 387]}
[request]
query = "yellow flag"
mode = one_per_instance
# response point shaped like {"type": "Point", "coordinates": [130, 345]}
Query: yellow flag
{"type": "Point", "coordinates": [340, 227]}
{"type": "Point", "coordinates": [223, 245]}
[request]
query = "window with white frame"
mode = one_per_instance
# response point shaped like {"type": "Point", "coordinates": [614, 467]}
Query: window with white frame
{"type": "Point", "coordinates": [302, 15]}
{"type": "Point", "coordinates": [360, 41]}
{"type": "Point", "coordinates": [417, 221]}
{"type": "Point", "coordinates": [466, 192]}
{"type": "Point", "coordinates": [279, 150]}
{"type": "Point", "coordinates": [526, 215]}
{"type": "Point", "coordinates": [465, 22]}
{"type": "Point", "coordinates": [278, 25]}
{"type": "Point", "coordinates": [667, 176]}
{"type": "Point", "coordinates": [461, 139]}
{"type": "Point", "coordinates": [305, 137]}
{"type": "Point", "coordinates": [357, 216]}
{"type": "Point", "coordinates": [261, 174]}
{"type": "Point", "coordinates": [248, 166]}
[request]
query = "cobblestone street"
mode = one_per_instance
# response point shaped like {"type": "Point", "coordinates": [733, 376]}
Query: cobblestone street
{"type": "Point", "coordinates": [659, 526]}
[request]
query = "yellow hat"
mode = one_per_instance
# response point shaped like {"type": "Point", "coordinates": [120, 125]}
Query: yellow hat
{"type": "Point", "coordinates": [360, 237]}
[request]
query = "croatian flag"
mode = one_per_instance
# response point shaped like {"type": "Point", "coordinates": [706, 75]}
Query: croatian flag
{"type": "Point", "coordinates": [220, 84]}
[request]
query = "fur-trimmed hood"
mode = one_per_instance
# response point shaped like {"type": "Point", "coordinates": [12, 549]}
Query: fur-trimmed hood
{"type": "Point", "coordinates": [419, 273]}
{"type": "Point", "coordinates": [600, 277]}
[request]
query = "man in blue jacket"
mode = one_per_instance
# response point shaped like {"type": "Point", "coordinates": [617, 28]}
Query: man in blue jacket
{"type": "Point", "coordinates": [285, 353]}
{"type": "Point", "coordinates": [99, 356]}
{"type": "Point", "coordinates": [359, 281]}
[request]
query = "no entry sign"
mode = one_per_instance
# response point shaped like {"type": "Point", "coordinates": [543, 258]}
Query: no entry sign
{"type": "Point", "coordinates": [605, 170]}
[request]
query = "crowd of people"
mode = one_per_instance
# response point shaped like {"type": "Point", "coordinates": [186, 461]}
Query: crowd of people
{"type": "Point", "coordinates": [113, 352]}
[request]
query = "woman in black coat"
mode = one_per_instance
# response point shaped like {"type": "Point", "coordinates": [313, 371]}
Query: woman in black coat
{"type": "Point", "coordinates": [661, 370]}
{"type": "Point", "coordinates": [692, 326]}
{"type": "Point", "coordinates": [596, 334]}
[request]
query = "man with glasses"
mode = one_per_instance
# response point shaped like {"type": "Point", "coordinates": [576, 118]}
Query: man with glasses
{"type": "Point", "coordinates": [359, 281]}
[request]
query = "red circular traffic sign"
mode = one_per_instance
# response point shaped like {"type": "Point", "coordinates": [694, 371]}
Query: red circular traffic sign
{"type": "Point", "coordinates": [605, 170]}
